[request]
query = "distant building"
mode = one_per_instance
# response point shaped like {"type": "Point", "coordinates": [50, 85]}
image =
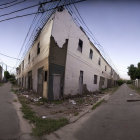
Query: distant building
{"type": "Point", "coordinates": [63, 61]}
{"type": "Point", "coordinates": [0, 73]}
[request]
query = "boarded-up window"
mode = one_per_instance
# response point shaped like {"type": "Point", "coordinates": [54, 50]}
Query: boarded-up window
{"type": "Point", "coordinates": [80, 45]}
{"type": "Point", "coordinates": [95, 79]}
{"type": "Point", "coordinates": [91, 54]}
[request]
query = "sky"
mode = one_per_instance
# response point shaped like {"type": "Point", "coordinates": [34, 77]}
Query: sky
{"type": "Point", "coordinates": [115, 24]}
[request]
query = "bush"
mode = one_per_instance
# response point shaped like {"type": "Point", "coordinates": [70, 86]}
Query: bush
{"type": "Point", "coordinates": [120, 82]}
{"type": "Point", "coordinates": [129, 82]}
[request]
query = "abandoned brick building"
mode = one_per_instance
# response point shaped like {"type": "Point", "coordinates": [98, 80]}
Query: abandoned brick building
{"type": "Point", "coordinates": [62, 60]}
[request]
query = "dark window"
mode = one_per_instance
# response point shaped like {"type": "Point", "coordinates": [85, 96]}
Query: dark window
{"type": "Point", "coordinates": [29, 58]}
{"type": "Point", "coordinates": [105, 68]}
{"type": "Point", "coordinates": [22, 64]}
{"type": "Point", "coordinates": [80, 46]}
{"type": "Point", "coordinates": [95, 79]}
{"type": "Point", "coordinates": [91, 54]}
{"type": "Point", "coordinates": [38, 48]}
{"type": "Point", "coordinates": [99, 62]}
{"type": "Point", "coordinates": [45, 76]}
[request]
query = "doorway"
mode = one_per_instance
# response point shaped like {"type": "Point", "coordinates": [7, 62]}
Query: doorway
{"type": "Point", "coordinates": [81, 82]}
{"type": "Point", "coordinates": [40, 82]}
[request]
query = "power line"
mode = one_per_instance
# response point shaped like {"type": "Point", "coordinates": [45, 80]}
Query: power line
{"type": "Point", "coordinates": [52, 12]}
{"type": "Point", "coordinates": [9, 56]}
{"type": "Point", "coordinates": [8, 3]}
{"type": "Point", "coordinates": [30, 30]}
{"type": "Point", "coordinates": [13, 4]}
{"type": "Point", "coordinates": [32, 6]}
{"type": "Point", "coordinates": [94, 39]}
{"type": "Point", "coordinates": [37, 12]}
{"type": "Point", "coordinates": [27, 35]}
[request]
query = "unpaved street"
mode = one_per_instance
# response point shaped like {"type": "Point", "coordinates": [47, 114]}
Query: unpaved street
{"type": "Point", "coordinates": [115, 119]}
{"type": "Point", "coordinates": [9, 123]}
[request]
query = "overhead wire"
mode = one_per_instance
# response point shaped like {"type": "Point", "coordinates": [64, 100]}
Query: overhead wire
{"type": "Point", "coordinates": [9, 56]}
{"type": "Point", "coordinates": [29, 7]}
{"type": "Point", "coordinates": [24, 15]}
{"type": "Point", "coordinates": [94, 39]}
{"type": "Point", "coordinates": [12, 4]}
{"type": "Point", "coordinates": [8, 2]}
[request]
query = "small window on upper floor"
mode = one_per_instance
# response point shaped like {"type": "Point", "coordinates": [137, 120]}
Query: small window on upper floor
{"type": "Point", "coordinates": [29, 58]}
{"type": "Point", "coordinates": [80, 45]}
{"type": "Point", "coordinates": [105, 68]}
{"type": "Point", "coordinates": [99, 61]}
{"type": "Point", "coordinates": [38, 48]}
{"type": "Point", "coordinates": [91, 54]}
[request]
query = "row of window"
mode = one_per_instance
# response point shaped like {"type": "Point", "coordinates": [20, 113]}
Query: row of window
{"type": "Point", "coordinates": [80, 49]}
{"type": "Point", "coordinates": [38, 51]}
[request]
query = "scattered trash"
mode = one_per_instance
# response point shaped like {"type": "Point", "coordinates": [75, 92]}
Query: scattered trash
{"type": "Point", "coordinates": [36, 99]}
{"type": "Point", "coordinates": [130, 94]}
{"type": "Point", "coordinates": [44, 117]}
{"type": "Point", "coordinates": [27, 96]}
{"type": "Point", "coordinates": [72, 101]}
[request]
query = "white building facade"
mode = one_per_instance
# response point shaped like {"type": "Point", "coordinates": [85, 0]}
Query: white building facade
{"type": "Point", "coordinates": [70, 62]}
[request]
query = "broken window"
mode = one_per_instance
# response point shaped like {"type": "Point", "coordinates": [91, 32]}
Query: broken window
{"type": "Point", "coordinates": [95, 79]}
{"type": "Point", "coordinates": [38, 48]}
{"type": "Point", "coordinates": [80, 45]}
{"type": "Point", "coordinates": [91, 54]}
{"type": "Point", "coordinates": [29, 58]}
{"type": "Point", "coordinates": [45, 75]}
{"type": "Point", "coordinates": [99, 62]}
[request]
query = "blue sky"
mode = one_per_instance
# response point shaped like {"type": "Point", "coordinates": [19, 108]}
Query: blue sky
{"type": "Point", "coordinates": [115, 24]}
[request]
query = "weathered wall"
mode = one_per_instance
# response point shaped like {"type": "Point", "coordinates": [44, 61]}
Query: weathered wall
{"type": "Point", "coordinates": [64, 28]}
{"type": "Point", "coordinates": [57, 61]}
{"type": "Point", "coordinates": [38, 61]}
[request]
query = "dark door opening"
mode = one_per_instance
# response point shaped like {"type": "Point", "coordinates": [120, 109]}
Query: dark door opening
{"type": "Point", "coordinates": [40, 82]}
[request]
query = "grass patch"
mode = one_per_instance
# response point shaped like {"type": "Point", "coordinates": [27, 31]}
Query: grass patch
{"type": "Point", "coordinates": [76, 113]}
{"type": "Point", "coordinates": [97, 104]}
{"type": "Point", "coordinates": [14, 90]}
{"type": "Point", "coordinates": [15, 100]}
{"type": "Point", "coordinates": [134, 88]}
{"type": "Point", "coordinates": [110, 90]}
{"type": "Point", "coordinates": [1, 84]}
{"type": "Point", "coordinates": [42, 126]}
{"type": "Point", "coordinates": [57, 102]}
{"type": "Point", "coordinates": [80, 100]}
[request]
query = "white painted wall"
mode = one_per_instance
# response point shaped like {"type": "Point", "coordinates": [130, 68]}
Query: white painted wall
{"type": "Point", "coordinates": [65, 28]}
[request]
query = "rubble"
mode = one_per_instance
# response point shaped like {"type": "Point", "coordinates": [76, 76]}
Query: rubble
{"type": "Point", "coordinates": [72, 101]}
{"type": "Point", "coordinates": [66, 108]}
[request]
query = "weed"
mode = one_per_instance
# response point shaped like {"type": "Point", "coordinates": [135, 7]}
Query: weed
{"type": "Point", "coordinates": [97, 104]}
{"type": "Point", "coordinates": [76, 113]}
{"type": "Point", "coordinates": [42, 126]}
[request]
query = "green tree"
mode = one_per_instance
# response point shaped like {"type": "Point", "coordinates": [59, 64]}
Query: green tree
{"type": "Point", "coordinates": [132, 72]}
{"type": "Point", "coordinates": [6, 75]}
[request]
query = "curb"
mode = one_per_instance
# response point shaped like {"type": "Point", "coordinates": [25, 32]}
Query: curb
{"type": "Point", "coordinates": [74, 119]}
